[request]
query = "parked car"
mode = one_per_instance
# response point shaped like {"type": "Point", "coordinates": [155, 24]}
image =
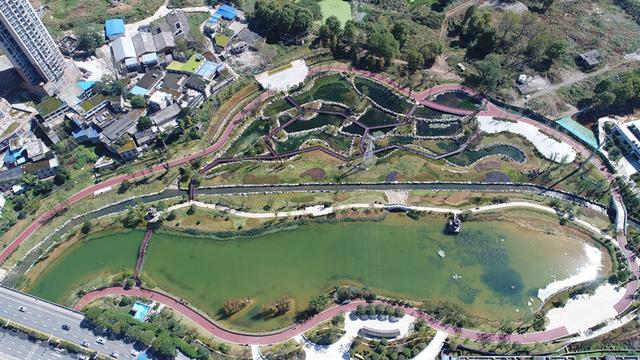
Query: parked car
{"type": "Point", "coordinates": [115, 355]}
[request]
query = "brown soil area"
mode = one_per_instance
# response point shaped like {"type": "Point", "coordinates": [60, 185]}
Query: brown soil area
{"type": "Point", "coordinates": [314, 173]}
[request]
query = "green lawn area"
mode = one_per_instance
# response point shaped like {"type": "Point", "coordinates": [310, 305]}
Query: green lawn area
{"type": "Point", "coordinates": [338, 8]}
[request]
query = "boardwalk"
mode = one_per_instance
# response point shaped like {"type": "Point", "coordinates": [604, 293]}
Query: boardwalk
{"type": "Point", "coordinates": [142, 252]}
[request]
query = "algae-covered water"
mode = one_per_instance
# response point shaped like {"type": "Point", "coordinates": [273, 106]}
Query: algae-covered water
{"type": "Point", "coordinates": [499, 266]}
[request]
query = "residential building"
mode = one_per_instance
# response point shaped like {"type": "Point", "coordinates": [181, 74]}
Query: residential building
{"type": "Point", "coordinates": [159, 100]}
{"type": "Point", "coordinates": [143, 43]}
{"type": "Point", "coordinates": [589, 59]}
{"type": "Point", "coordinates": [179, 23]}
{"type": "Point", "coordinates": [629, 133]}
{"type": "Point", "coordinates": [124, 52]}
{"type": "Point", "coordinates": [166, 118]}
{"type": "Point", "coordinates": [27, 43]}
{"type": "Point", "coordinates": [163, 38]}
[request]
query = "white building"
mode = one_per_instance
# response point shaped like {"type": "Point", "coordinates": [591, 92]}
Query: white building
{"type": "Point", "coordinates": [630, 134]}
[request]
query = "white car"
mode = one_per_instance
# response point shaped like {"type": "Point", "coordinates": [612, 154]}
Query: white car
{"type": "Point", "coordinates": [100, 341]}
{"type": "Point", "coordinates": [115, 354]}
{"type": "Point", "coordinates": [134, 353]}
{"type": "Point", "coordinates": [22, 309]}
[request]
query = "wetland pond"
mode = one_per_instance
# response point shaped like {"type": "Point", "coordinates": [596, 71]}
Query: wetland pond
{"type": "Point", "coordinates": [493, 269]}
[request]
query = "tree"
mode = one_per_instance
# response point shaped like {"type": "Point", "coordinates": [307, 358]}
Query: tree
{"type": "Point", "coordinates": [124, 186]}
{"type": "Point", "coordinates": [383, 44]}
{"type": "Point", "coordinates": [138, 102]}
{"type": "Point", "coordinates": [86, 227]}
{"type": "Point", "coordinates": [318, 303]}
{"type": "Point", "coordinates": [280, 20]}
{"type": "Point", "coordinates": [144, 123]}
{"type": "Point", "coordinates": [330, 31]}
{"type": "Point", "coordinates": [313, 6]}
{"type": "Point", "coordinates": [61, 176]}
{"type": "Point", "coordinates": [415, 60]}
{"type": "Point", "coordinates": [164, 346]}
{"type": "Point", "coordinates": [89, 40]}
{"type": "Point", "coordinates": [489, 72]}
{"type": "Point", "coordinates": [400, 32]}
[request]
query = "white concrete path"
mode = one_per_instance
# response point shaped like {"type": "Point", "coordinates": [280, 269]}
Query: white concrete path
{"type": "Point", "coordinates": [340, 349]}
{"type": "Point", "coordinates": [432, 350]}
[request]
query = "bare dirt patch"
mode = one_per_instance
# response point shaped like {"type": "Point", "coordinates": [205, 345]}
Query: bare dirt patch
{"type": "Point", "coordinates": [314, 173]}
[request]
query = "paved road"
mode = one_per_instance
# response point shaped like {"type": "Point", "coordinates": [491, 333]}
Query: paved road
{"type": "Point", "coordinates": [17, 346]}
{"type": "Point", "coordinates": [48, 318]}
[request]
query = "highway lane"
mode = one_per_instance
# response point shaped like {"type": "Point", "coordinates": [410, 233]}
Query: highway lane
{"type": "Point", "coordinates": [48, 318]}
{"type": "Point", "coordinates": [17, 346]}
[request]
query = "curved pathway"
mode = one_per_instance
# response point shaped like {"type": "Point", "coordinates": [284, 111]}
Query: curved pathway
{"type": "Point", "coordinates": [204, 321]}
{"type": "Point", "coordinates": [421, 97]}
{"type": "Point", "coordinates": [116, 181]}
{"type": "Point", "coordinates": [266, 339]}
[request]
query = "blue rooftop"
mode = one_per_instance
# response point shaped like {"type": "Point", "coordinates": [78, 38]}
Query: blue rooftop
{"type": "Point", "coordinates": [227, 12]}
{"type": "Point", "coordinates": [209, 70]}
{"type": "Point", "coordinates": [15, 157]}
{"type": "Point", "coordinates": [143, 356]}
{"type": "Point", "coordinates": [113, 27]}
{"type": "Point", "coordinates": [84, 135]}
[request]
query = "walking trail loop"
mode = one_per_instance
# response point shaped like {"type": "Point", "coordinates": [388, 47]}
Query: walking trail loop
{"type": "Point", "coordinates": [228, 335]}
{"type": "Point", "coordinates": [423, 98]}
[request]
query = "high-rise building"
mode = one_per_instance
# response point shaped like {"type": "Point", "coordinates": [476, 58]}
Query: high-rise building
{"type": "Point", "coordinates": [30, 47]}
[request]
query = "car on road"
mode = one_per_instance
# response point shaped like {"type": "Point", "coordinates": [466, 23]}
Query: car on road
{"type": "Point", "coordinates": [65, 327]}
{"type": "Point", "coordinates": [115, 354]}
{"type": "Point", "coordinates": [22, 309]}
{"type": "Point", "coordinates": [85, 343]}
{"type": "Point", "coordinates": [100, 341]}
{"type": "Point", "coordinates": [83, 357]}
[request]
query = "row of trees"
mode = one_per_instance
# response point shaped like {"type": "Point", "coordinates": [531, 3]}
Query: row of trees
{"type": "Point", "coordinates": [512, 42]}
{"type": "Point", "coordinates": [162, 333]}
{"type": "Point", "coordinates": [282, 20]}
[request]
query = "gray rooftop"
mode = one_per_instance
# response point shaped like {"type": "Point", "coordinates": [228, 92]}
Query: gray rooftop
{"type": "Point", "coordinates": [143, 43]}
{"type": "Point", "coordinates": [165, 115]}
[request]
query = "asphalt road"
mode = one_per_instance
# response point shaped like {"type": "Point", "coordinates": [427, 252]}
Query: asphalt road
{"type": "Point", "coordinates": [17, 346]}
{"type": "Point", "coordinates": [48, 318]}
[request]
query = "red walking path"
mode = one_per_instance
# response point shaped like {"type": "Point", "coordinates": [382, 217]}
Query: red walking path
{"type": "Point", "coordinates": [116, 181]}
{"type": "Point", "coordinates": [421, 97]}
{"type": "Point", "coordinates": [278, 337]}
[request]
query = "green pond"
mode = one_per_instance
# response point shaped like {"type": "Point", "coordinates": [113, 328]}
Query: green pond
{"type": "Point", "coordinates": [500, 265]}
{"type": "Point", "coordinates": [469, 157]}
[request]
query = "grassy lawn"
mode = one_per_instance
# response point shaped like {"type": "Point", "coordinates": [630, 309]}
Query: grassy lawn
{"type": "Point", "coordinates": [68, 14]}
{"type": "Point", "coordinates": [338, 8]}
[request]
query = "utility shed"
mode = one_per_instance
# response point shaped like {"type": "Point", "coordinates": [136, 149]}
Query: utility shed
{"type": "Point", "coordinates": [589, 59]}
